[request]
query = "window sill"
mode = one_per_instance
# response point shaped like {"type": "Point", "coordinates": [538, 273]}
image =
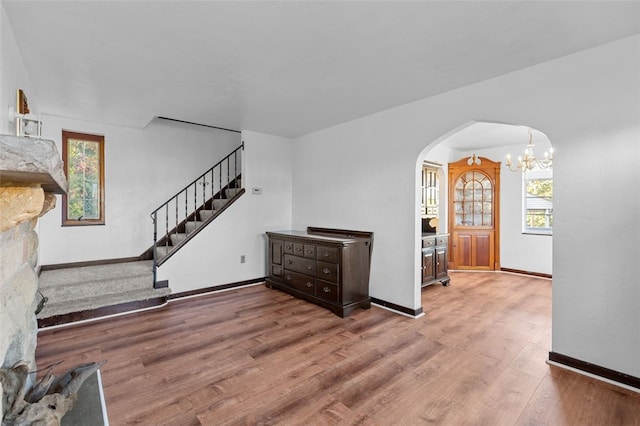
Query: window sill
{"type": "Point", "coordinates": [542, 233]}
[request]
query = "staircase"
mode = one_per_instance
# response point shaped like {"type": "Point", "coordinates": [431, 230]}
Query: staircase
{"type": "Point", "coordinates": [89, 291]}
{"type": "Point", "coordinates": [180, 218]}
{"type": "Point", "coordinates": [182, 232]}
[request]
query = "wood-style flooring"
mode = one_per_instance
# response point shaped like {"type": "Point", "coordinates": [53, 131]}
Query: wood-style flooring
{"type": "Point", "coordinates": [259, 356]}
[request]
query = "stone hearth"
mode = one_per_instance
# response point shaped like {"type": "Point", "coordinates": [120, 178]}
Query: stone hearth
{"type": "Point", "coordinates": [30, 174]}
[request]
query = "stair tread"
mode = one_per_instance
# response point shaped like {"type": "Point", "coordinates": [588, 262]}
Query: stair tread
{"type": "Point", "coordinates": [66, 276]}
{"type": "Point", "coordinates": [53, 308]}
{"type": "Point", "coordinates": [72, 290]}
{"type": "Point", "coordinates": [177, 238]}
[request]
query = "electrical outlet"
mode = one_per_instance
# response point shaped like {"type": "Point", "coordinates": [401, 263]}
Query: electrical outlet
{"type": "Point", "coordinates": [242, 258]}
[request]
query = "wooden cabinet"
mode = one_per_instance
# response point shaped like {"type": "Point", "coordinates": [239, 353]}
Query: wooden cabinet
{"type": "Point", "coordinates": [434, 260]}
{"type": "Point", "coordinates": [329, 267]}
{"type": "Point", "coordinates": [474, 219]}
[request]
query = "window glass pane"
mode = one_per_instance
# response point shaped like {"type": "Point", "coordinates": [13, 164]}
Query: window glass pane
{"type": "Point", "coordinates": [473, 196]}
{"type": "Point", "coordinates": [538, 202]}
{"type": "Point", "coordinates": [84, 160]}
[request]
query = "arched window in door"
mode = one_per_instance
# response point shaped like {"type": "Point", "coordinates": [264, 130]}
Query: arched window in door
{"type": "Point", "coordinates": [473, 199]}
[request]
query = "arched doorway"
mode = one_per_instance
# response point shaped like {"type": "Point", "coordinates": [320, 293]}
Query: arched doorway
{"type": "Point", "coordinates": [520, 250]}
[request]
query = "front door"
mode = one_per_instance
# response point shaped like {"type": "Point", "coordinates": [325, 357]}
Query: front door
{"type": "Point", "coordinates": [474, 194]}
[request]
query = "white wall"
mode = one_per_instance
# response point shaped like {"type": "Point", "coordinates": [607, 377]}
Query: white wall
{"type": "Point", "coordinates": [362, 175]}
{"type": "Point", "coordinates": [143, 168]}
{"type": "Point", "coordinates": [213, 256]}
{"type": "Point", "coordinates": [13, 76]}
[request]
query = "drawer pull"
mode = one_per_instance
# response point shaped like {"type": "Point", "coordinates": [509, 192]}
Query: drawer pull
{"type": "Point", "coordinates": [288, 277]}
{"type": "Point", "coordinates": [326, 290]}
{"type": "Point", "coordinates": [326, 270]}
{"type": "Point", "coordinates": [289, 261]}
{"type": "Point", "coordinates": [309, 284]}
{"type": "Point", "coordinates": [298, 249]}
{"type": "Point", "coordinates": [288, 247]}
{"type": "Point", "coordinates": [309, 267]}
{"type": "Point", "coordinates": [326, 254]}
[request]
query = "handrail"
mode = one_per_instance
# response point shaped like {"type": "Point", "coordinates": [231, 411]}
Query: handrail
{"type": "Point", "coordinates": [196, 196]}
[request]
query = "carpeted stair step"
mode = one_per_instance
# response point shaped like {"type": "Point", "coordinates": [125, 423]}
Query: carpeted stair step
{"type": "Point", "coordinates": [162, 251]}
{"type": "Point", "coordinates": [218, 203]}
{"type": "Point", "coordinates": [231, 192]}
{"type": "Point", "coordinates": [206, 214]}
{"type": "Point", "coordinates": [177, 238]}
{"type": "Point", "coordinates": [53, 308]}
{"type": "Point", "coordinates": [192, 226]}
{"type": "Point", "coordinates": [137, 272]}
{"type": "Point", "coordinates": [91, 287]}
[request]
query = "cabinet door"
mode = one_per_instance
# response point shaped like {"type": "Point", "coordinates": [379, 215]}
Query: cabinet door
{"type": "Point", "coordinates": [275, 252]}
{"type": "Point", "coordinates": [474, 250]}
{"type": "Point", "coordinates": [441, 262]}
{"type": "Point", "coordinates": [428, 265]}
{"type": "Point", "coordinates": [275, 258]}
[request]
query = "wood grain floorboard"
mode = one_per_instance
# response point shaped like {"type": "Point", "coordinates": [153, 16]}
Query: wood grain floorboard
{"type": "Point", "coordinates": [256, 356]}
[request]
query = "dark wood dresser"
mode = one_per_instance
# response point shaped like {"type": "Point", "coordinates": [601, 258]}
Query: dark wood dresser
{"type": "Point", "coordinates": [329, 267]}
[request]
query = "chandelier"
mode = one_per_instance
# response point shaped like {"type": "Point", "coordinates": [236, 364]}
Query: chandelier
{"type": "Point", "coordinates": [529, 161]}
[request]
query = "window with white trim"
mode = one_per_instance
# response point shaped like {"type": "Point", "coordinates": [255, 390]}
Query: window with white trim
{"type": "Point", "coordinates": [537, 202]}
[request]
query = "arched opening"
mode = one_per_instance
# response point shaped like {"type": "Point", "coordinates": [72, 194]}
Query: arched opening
{"type": "Point", "coordinates": [522, 249]}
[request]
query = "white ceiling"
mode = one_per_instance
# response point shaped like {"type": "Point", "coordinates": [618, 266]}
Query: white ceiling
{"type": "Point", "coordinates": [490, 135]}
{"type": "Point", "coordinates": [286, 68]}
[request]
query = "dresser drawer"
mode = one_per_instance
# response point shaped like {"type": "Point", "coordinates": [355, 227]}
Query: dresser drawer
{"type": "Point", "coordinates": [327, 291]}
{"type": "Point", "coordinates": [328, 254]}
{"type": "Point", "coordinates": [299, 264]}
{"type": "Point", "coordinates": [428, 242]}
{"type": "Point", "coordinates": [298, 249]}
{"type": "Point", "coordinates": [441, 241]}
{"type": "Point", "coordinates": [310, 251]}
{"type": "Point", "coordinates": [300, 282]}
{"type": "Point", "coordinates": [288, 247]}
{"type": "Point", "coordinates": [327, 271]}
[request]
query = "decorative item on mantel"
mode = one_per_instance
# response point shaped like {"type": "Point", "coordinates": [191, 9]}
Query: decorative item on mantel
{"type": "Point", "coordinates": [530, 161]}
{"type": "Point", "coordinates": [26, 125]}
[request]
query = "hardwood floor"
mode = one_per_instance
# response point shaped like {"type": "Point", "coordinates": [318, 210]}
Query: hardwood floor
{"type": "Point", "coordinates": [259, 356]}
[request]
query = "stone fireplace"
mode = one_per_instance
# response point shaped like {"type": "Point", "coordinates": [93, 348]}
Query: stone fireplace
{"type": "Point", "coordinates": [31, 174]}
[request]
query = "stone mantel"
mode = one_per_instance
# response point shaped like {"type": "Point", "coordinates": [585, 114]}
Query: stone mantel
{"type": "Point", "coordinates": [32, 161]}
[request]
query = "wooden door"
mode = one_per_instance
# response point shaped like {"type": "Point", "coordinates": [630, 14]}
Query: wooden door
{"type": "Point", "coordinates": [474, 214]}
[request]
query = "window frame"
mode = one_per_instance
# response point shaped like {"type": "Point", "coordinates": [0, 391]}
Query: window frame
{"type": "Point", "coordinates": [531, 175]}
{"type": "Point", "coordinates": [66, 135]}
